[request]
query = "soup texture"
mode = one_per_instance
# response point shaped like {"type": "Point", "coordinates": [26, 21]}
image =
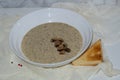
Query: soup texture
{"type": "Point", "coordinates": [51, 42]}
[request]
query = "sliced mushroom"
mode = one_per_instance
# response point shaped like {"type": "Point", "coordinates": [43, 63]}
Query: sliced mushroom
{"type": "Point", "coordinates": [67, 49]}
{"type": "Point", "coordinates": [62, 52]}
{"type": "Point", "coordinates": [57, 43]}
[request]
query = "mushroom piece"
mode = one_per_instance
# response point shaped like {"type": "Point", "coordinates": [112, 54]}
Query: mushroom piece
{"type": "Point", "coordinates": [57, 43]}
{"type": "Point", "coordinates": [67, 49]}
{"type": "Point", "coordinates": [62, 52]}
{"type": "Point", "coordinates": [60, 47]}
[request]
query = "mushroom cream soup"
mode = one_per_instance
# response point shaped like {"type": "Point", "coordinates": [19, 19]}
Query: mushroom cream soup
{"type": "Point", "coordinates": [51, 42]}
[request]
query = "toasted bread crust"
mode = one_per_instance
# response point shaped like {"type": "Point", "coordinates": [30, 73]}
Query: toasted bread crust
{"type": "Point", "coordinates": [91, 57]}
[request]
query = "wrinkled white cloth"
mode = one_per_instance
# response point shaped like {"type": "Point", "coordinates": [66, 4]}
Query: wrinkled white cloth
{"type": "Point", "coordinates": [46, 3]}
{"type": "Point", "coordinates": [11, 71]}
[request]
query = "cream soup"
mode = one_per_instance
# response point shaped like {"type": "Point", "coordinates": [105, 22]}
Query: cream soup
{"type": "Point", "coordinates": [37, 45]}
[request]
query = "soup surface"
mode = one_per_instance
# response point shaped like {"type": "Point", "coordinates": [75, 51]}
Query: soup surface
{"type": "Point", "coordinates": [38, 47]}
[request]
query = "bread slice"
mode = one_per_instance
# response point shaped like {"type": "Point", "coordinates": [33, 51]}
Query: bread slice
{"type": "Point", "coordinates": [91, 57]}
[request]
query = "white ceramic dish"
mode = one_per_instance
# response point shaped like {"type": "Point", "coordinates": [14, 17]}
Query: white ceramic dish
{"type": "Point", "coordinates": [46, 15]}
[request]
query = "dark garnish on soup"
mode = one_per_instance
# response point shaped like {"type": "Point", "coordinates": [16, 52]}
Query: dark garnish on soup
{"type": "Point", "coordinates": [60, 45]}
{"type": "Point", "coordinates": [39, 44]}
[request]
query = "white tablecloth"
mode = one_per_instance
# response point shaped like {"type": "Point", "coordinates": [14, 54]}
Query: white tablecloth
{"type": "Point", "coordinates": [103, 18]}
{"type": "Point", "coordinates": [46, 3]}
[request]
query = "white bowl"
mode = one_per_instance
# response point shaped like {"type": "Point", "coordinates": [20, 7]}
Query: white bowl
{"type": "Point", "coordinates": [46, 15]}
